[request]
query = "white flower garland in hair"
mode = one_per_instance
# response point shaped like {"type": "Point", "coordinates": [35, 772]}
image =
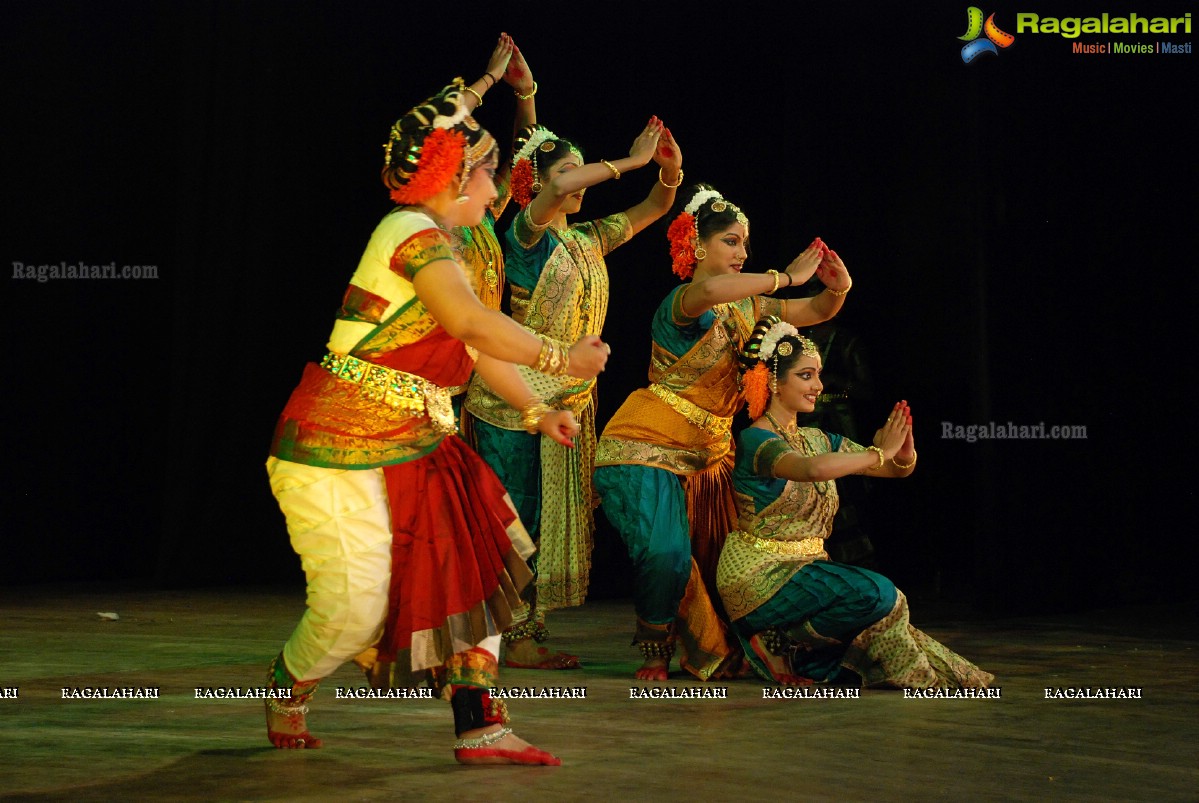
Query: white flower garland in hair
{"type": "Point", "coordinates": [700, 198]}
{"type": "Point", "coordinates": [539, 136]}
{"type": "Point", "coordinates": [773, 336]}
{"type": "Point", "coordinates": [451, 120]}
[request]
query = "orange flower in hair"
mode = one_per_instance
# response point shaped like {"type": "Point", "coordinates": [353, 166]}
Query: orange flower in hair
{"type": "Point", "coordinates": [682, 252]}
{"type": "Point", "coordinates": [440, 158]}
{"type": "Point", "coordinates": [757, 389]}
{"type": "Point", "coordinates": [522, 182]}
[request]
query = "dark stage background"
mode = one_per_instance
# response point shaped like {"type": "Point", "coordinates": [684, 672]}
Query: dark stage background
{"type": "Point", "coordinates": [1021, 231]}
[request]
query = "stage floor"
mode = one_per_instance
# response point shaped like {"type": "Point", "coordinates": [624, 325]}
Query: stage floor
{"type": "Point", "coordinates": [881, 746]}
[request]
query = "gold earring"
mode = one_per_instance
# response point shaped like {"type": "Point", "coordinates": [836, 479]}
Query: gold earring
{"type": "Point", "coordinates": [700, 253]}
{"type": "Point", "coordinates": [461, 199]}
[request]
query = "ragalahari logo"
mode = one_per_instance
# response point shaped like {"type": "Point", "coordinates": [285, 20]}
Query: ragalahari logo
{"type": "Point", "coordinates": [975, 26]}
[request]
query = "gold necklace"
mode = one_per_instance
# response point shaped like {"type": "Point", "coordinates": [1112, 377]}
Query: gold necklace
{"type": "Point", "coordinates": [786, 433]}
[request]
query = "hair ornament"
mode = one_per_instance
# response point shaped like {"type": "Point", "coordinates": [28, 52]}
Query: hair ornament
{"type": "Point", "coordinates": [756, 383]}
{"type": "Point", "coordinates": [773, 335]}
{"type": "Point", "coordinates": [540, 136]}
{"type": "Point", "coordinates": [682, 251]}
{"type": "Point", "coordinates": [430, 144]}
{"type": "Point", "coordinates": [526, 179]}
{"type": "Point", "coordinates": [699, 199]}
{"type": "Point", "coordinates": [437, 160]}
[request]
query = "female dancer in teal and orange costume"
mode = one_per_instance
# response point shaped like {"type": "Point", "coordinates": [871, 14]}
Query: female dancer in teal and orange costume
{"type": "Point", "coordinates": [800, 616]}
{"type": "Point", "coordinates": [402, 529]}
{"type": "Point", "coordinates": [559, 286]}
{"type": "Point", "coordinates": [664, 461]}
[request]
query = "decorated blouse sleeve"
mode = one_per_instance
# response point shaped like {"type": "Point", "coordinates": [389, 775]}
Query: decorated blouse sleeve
{"type": "Point", "coordinates": [671, 329]}
{"type": "Point", "coordinates": [757, 449]}
{"type": "Point", "coordinates": [768, 452]}
{"type": "Point", "coordinates": [766, 305]}
{"type": "Point", "coordinates": [524, 259]}
{"type": "Point", "coordinates": [840, 443]}
{"type": "Point", "coordinates": [610, 232]}
{"type": "Point", "coordinates": [524, 233]}
{"type": "Point", "coordinates": [422, 248]}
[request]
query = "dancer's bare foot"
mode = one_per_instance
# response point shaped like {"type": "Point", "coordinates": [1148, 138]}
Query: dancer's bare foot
{"type": "Point", "coordinates": [497, 745]}
{"type": "Point", "coordinates": [526, 653]}
{"type": "Point", "coordinates": [287, 727]}
{"type": "Point", "coordinates": [734, 668]}
{"type": "Point", "coordinates": [778, 665]}
{"type": "Point", "coordinates": [655, 669]}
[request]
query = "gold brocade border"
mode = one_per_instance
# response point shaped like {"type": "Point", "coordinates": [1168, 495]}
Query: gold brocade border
{"type": "Point", "coordinates": [360, 304]}
{"type": "Point", "coordinates": [611, 452]}
{"type": "Point", "coordinates": [719, 426]}
{"type": "Point", "coordinates": [804, 547]}
{"type": "Point", "coordinates": [419, 250]}
{"type": "Point", "coordinates": [474, 667]}
{"type": "Point", "coordinates": [409, 324]}
{"type": "Point", "coordinates": [406, 393]}
{"type": "Point", "coordinates": [559, 392]}
{"type": "Point", "coordinates": [480, 253]}
{"type": "Point", "coordinates": [333, 450]}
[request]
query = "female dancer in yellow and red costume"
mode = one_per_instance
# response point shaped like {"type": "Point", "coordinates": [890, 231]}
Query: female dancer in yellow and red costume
{"type": "Point", "coordinates": [559, 283]}
{"type": "Point", "coordinates": [665, 459]}
{"type": "Point", "coordinates": [478, 251]}
{"type": "Point", "coordinates": [401, 529]}
{"type": "Point", "coordinates": [800, 616]}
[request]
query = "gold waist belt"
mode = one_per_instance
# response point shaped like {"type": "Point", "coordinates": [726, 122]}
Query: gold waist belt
{"type": "Point", "coordinates": [715, 424]}
{"type": "Point", "coordinates": [803, 548]}
{"type": "Point", "coordinates": [402, 391]}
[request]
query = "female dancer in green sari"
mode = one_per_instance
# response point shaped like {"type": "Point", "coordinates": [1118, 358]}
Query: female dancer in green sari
{"type": "Point", "coordinates": [559, 280]}
{"type": "Point", "coordinates": [800, 616]}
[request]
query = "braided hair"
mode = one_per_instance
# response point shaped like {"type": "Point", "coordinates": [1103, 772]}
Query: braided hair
{"type": "Point", "coordinates": [784, 350]}
{"type": "Point", "coordinates": [408, 161]}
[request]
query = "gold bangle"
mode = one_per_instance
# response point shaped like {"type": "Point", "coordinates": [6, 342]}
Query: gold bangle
{"type": "Point", "coordinates": [533, 414]}
{"type": "Point", "coordinates": [839, 292]}
{"type": "Point", "coordinates": [554, 358]}
{"type": "Point", "coordinates": [673, 186]}
{"type": "Point", "coordinates": [543, 356]}
{"type": "Point", "coordinates": [882, 458]}
{"type": "Point", "coordinates": [476, 94]}
{"type": "Point", "coordinates": [528, 96]}
{"type": "Point", "coordinates": [775, 274]}
{"type": "Point", "coordinates": [612, 167]}
{"type": "Point", "coordinates": [902, 466]}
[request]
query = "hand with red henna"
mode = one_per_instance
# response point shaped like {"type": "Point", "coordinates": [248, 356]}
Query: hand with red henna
{"type": "Point", "coordinates": [645, 147]}
{"type": "Point", "coordinates": [518, 75]}
{"type": "Point", "coordinates": [832, 270]}
{"type": "Point", "coordinates": [807, 263]}
{"type": "Point", "coordinates": [668, 155]}
{"type": "Point", "coordinates": [501, 56]}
